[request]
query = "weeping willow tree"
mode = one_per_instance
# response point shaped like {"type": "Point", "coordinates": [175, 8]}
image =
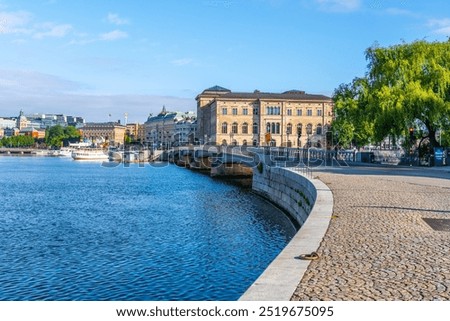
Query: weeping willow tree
{"type": "Point", "coordinates": [406, 85]}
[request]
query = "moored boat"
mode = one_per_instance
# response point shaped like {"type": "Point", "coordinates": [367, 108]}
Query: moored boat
{"type": "Point", "coordinates": [90, 154]}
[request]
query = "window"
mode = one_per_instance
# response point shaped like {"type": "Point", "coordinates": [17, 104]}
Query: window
{"type": "Point", "coordinates": [277, 128]}
{"type": "Point", "coordinates": [299, 129]}
{"type": "Point", "coordinates": [289, 129]}
{"type": "Point", "coordinates": [234, 128]}
{"type": "Point", "coordinates": [244, 128]}
{"type": "Point", "coordinates": [224, 111]}
{"type": "Point", "coordinates": [319, 112]}
{"type": "Point", "coordinates": [309, 112]}
{"type": "Point", "coordinates": [274, 129]}
{"type": "Point", "coordinates": [255, 128]}
{"type": "Point", "coordinates": [245, 111]}
{"type": "Point", "coordinates": [244, 142]}
{"type": "Point", "coordinates": [268, 128]}
{"type": "Point", "coordinates": [299, 112]}
{"type": "Point", "coordinates": [255, 110]}
{"type": "Point", "coordinates": [224, 128]}
{"type": "Point", "coordinates": [273, 110]}
{"type": "Point", "coordinates": [309, 129]}
{"type": "Point", "coordinates": [289, 112]}
{"type": "Point", "coordinates": [319, 129]}
{"type": "Point", "coordinates": [234, 111]}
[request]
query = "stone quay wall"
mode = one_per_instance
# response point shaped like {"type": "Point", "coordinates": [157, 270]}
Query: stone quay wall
{"type": "Point", "coordinates": [310, 202]}
{"type": "Point", "coordinates": [290, 190]}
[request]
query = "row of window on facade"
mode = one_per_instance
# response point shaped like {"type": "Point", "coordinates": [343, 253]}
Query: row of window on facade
{"type": "Point", "coordinates": [272, 111]}
{"type": "Point", "coordinates": [273, 128]}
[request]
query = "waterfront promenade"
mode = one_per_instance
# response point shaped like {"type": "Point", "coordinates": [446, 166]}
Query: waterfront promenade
{"type": "Point", "coordinates": [378, 245]}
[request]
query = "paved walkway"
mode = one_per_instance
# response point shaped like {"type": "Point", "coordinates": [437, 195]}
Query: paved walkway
{"type": "Point", "coordinates": [378, 247]}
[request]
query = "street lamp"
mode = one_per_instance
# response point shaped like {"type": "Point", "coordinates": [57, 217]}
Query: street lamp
{"type": "Point", "coordinates": [411, 141]}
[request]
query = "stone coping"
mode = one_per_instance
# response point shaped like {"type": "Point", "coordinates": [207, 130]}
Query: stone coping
{"type": "Point", "coordinates": [281, 278]}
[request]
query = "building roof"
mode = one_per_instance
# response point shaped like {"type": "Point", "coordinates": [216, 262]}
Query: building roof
{"type": "Point", "coordinates": [30, 129]}
{"type": "Point", "coordinates": [106, 124]}
{"type": "Point", "coordinates": [287, 95]}
{"type": "Point", "coordinates": [168, 116]}
{"type": "Point", "coordinates": [217, 89]}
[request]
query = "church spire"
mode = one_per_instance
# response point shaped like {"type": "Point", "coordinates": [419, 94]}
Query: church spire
{"type": "Point", "coordinates": [164, 111]}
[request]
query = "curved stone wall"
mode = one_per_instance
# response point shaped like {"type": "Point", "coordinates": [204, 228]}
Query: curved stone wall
{"type": "Point", "coordinates": [310, 203]}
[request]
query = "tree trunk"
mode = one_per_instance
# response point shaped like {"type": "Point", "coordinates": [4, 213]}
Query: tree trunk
{"type": "Point", "coordinates": [432, 134]}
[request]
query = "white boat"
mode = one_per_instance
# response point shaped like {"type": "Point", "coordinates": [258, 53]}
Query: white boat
{"type": "Point", "coordinates": [63, 152]}
{"type": "Point", "coordinates": [90, 154]}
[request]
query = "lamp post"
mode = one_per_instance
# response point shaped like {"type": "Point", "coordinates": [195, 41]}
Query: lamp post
{"type": "Point", "coordinates": [299, 135]}
{"type": "Point", "coordinates": [411, 141]}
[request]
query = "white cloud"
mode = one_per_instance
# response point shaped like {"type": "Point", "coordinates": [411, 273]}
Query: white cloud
{"type": "Point", "coordinates": [181, 62]}
{"type": "Point", "coordinates": [339, 5]}
{"type": "Point", "coordinates": [115, 19]}
{"type": "Point", "coordinates": [15, 22]}
{"type": "Point", "coordinates": [401, 12]}
{"type": "Point", "coordinates": [440, 26]}
{"type": "Point", "coordinates": [113, 35]}
{"type": "Point", "coordinates": [18, 82]}
{"type": "Point", "coordinates": [21, 23]}
{"type": "Point", "coordinates": [36, 92]}
{"type": "Point", "coordinates": [51, 30]}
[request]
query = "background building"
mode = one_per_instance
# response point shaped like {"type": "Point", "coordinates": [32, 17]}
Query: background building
{"type": "Point", "coordinates": [260, 118]}
{"type": "Point", "coordinates": [170, 128]}
{"type": "Point", "coordinates": [186, 131]}
{"type": "Point", "coordinates": [110, 132]}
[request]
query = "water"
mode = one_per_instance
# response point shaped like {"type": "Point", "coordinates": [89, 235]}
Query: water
{"type": "Point", "coordinates": [78, 231]}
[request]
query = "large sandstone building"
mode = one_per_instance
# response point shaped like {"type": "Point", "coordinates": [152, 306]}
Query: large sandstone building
{"type": "Point", "coordinates": [292, 118]}
{"type": "Point", "coordinates": [110, 132]}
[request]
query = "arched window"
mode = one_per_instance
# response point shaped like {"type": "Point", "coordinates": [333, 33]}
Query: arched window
{"type": "Point", "coordinates": [268, 128]}
{"type": "Point", "coordinates": [309, 129]}
{"type": "Point", "coordinates": [277, 128]}
{"type": "Point", "coordinates": [255, 128]}
{"type": "Point", "coordinates": [244, 142]}
{"type": "Point", "coordinates": [255, 142]}
{"type": "Point", "coordinates": [289, 129]}
{"type": "Point", "coordinates": [234, 128]}
{"type": "Point", "coordinates": [319, 129]}
{"type": "Point", "coordinates": [224, 142]}
{"type": "Point", "coordinates": [274, 129]}
{"type": "Point", "coordinates": [299, 129]}
{"type": "Point", "coordinates": [224, 128]}
{"type": "Point", "coordinates": [244, 128]}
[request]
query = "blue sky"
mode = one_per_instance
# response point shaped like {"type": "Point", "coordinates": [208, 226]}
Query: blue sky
{"type": "Point", "coordinates": [95, 58]}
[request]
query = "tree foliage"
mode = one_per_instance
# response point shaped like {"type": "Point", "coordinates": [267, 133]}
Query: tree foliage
{"type": "Point", "coordinates": [17, 141]}
{"type": "Point", "coordinates": [407, 85]}
{"type": "Point", "coordinates": [55, 136]}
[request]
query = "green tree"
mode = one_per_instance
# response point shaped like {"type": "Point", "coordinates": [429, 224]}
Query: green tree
{"type": "Point", "coordinates": [55, 136]}
{"type": "Point", "coordinates": [17, 141]}
{"type": "Point", "coordinates": [353, 123]}
{"type": "Point", "coordinates": [410, 85]}
{"type": "Point", "coordinates": [71, 134]}
{"type": "Point", "coordinates": [406, 85]}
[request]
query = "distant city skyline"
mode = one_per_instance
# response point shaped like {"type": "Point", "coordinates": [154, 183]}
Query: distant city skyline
{"type": "Point", "coordinates": [99, 58]}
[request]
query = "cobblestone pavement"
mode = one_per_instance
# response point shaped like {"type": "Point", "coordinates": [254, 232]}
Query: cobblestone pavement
{"type": "Point", "coordinates": [378, 247]}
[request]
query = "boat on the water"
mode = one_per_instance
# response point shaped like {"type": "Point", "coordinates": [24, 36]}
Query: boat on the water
{"type": "Point", "coordinates": [90, 154]}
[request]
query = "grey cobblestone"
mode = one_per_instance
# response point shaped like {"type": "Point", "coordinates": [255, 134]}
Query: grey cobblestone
{"type": "Point", "coordinates": [378, 247]}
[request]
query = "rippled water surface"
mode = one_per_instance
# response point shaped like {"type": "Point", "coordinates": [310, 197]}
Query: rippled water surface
{"type": "Point", "coordinates": [79, 231]}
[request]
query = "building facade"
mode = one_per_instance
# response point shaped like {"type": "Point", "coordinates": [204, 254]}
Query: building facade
{"type": "Point", "coordinates": [110, 132]}
{"type": "Point", "coordinates": [168, 129]}
{"type": "Point", "coordinates": [292, 118]}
